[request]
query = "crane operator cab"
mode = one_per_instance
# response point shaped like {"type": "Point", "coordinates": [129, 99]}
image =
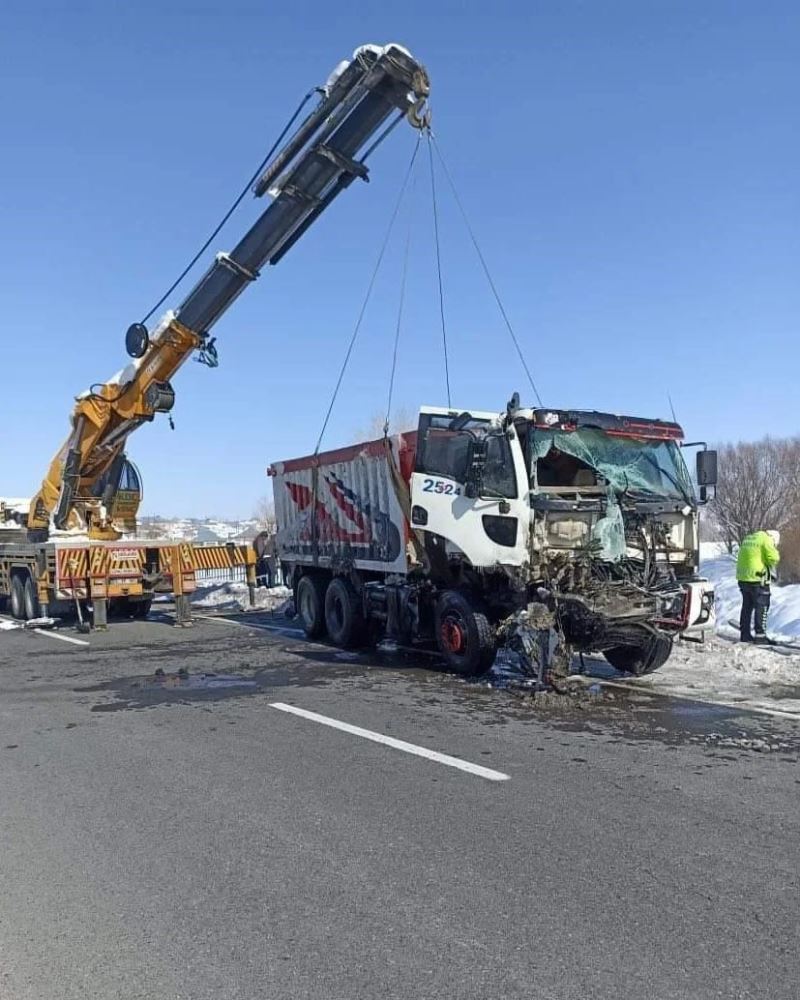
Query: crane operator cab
{"type": "Point", "coordinates": [121, 492]}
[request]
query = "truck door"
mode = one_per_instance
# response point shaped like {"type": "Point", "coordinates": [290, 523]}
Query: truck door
{"type": "Point", "coordinates": [490, 528]}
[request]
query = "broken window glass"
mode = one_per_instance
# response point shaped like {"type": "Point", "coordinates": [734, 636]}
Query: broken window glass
{"type": "Point", "coordinates": [588, 457]}
{"type": "Point", "coordinates": [609, 531]}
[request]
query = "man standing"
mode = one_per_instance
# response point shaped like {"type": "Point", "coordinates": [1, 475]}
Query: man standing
{"type": "Point", "coordinates": [758, 556]}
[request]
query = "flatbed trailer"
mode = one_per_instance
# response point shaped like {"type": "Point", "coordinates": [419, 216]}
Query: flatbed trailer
{"type": "Point", "coordinates": [40, 579]}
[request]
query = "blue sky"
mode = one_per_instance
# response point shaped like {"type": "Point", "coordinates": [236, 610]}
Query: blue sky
{"type": "Point", "coordinates": [630, 168]}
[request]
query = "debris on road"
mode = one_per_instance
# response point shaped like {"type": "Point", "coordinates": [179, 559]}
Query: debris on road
{"type": "Point", "coordinates": [532, 639]}
{"type": "Point", "coordinates": [234, 596]}
{"type": "Point", "coordinates": [36, 623]}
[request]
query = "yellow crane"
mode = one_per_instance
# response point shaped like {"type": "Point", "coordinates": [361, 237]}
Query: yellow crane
{"type": "Point", "coordinates": [90, 485]}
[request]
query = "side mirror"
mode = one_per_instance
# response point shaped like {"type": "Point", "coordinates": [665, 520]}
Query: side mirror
{"type": "Point", "coordinates": [706, 474]}
{"type": "Point", "coordinates": [476, 460]}
{"type": "Point", "coordinates": [706, 468]}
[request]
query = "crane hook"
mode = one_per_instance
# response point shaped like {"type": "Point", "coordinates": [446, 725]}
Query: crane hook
{"type": "Point", "coordinates": [419, 115]}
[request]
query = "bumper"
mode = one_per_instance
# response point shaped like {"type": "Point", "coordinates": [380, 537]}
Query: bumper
{"type": "Point", "coordinates": [700, 615]}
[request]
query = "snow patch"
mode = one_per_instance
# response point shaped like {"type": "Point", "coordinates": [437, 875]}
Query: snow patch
{"type": "Point", "coordinates": [784, 612]}
{"type": "Point", "coordinates": [235, 597]}
{"type": "Point", "coordinates": [730, 672]}
{"type": "Point", "coordinates": [723, 669]}
{"type": "Point", "coordinates": [19, 505]}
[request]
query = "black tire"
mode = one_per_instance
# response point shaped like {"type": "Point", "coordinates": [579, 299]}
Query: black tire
{"type": "Point", "coordinates": [464, 634]}
{"type": "Point", "coordinates": [17, 598]}
{"type": "Point", "coordinates": [344, 618]}
{"type": "Point", "coordinates": [139, 609]}
{"type": "Point", "coordinates": [642, 659]}
{"type": "Point", "coordinates": [310, 605]}
{"type": "Point", "coordinates": [31, 600]}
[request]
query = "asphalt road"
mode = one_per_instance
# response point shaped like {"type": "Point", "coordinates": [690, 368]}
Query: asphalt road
{"type": "Point", "coordinates": [169, 837]}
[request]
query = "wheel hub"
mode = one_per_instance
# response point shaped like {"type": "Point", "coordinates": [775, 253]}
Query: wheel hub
{"type": "Point", "coordinates": [453, 637]}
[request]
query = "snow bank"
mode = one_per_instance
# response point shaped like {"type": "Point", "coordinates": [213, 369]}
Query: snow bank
{"type": "Point", "coordinates": [732, 673]}
{"type": "Point", "coordinates": [720, 568]}
{"type": "Point", "coordinates": [725, 670]}
{"type": "Point", "coordinates": [18, 504]}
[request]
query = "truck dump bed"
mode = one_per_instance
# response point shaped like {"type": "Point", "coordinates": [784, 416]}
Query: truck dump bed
{"type": "Point", "coordinates": [347, 507]}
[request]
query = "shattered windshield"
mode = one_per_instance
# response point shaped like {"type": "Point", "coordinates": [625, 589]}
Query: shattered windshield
{"type": "Point", "coordinates": [589, 458]}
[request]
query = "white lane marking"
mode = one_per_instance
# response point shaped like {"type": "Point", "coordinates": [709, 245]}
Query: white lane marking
{"type": "Point", "coordinates": [62, 638]}
{"type": "Point", "coordinates": [390, 741]}
{"type": "Point", "coordinates": [254, 625]}
{"type": "Point", "coordinates": [46, 634]}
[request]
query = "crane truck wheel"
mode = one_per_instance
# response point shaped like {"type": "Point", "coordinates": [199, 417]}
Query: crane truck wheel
{"type": "Point", "coordinates": [17, 598]}
{"type": "Point", "coordinates": [31, 600]}
{"type": "Point", "coordinates": [343, 616]}
{"type": "Point", "coordinates": [310, 604]}
{"type": "Point", "coordinates": [464, 634]}
{"type": "Point", "coordinates": [641, 659]}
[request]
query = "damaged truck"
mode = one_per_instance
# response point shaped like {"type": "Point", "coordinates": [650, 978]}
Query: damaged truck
{"type": "Point", "coordinates": [547, 531]}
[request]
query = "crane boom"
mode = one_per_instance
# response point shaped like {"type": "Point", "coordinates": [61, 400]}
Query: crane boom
{"type": "Point", "coordinates": [90, 485]}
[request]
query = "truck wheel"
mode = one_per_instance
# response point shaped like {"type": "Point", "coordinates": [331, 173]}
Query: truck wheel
{"type": "Point", "coordinates": [343, 616]}
{"type": "Point", "coordinates": [465, 636]}
{"type": "Point", "coordinates": [139, 609]}
{"type": "Point", "coordinates": [17, 598]}
{"type": "Point", "coordinates": [310, 605]}
{"type": "Point", "coordinates": [31, 600]}
{"type": "Point", "coordinates": [642, 659]}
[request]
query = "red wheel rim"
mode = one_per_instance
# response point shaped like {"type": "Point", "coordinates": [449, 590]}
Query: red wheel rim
{"type": "Point", "coordinates": [453, 635]}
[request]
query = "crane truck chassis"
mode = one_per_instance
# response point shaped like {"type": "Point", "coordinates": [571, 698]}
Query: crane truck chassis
{"type": "Point", "coordinates": [547, 531]}
{"type": "Point", "coordinates": [57, 577]}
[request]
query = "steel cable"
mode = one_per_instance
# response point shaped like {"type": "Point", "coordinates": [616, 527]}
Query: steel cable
{"type": "Point", "coordinates": [234, 206]}
{"type": "Point", "coordinates": [365, 303]}
{"type": "Point", "coordinates": [486, 270]}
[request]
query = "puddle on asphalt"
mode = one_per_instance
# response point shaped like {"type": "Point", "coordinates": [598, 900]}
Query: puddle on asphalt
{"type": "Point", "coordinates": [502, 697]}
{"type": "Point", "coordinates": [702, 711]}
{"type": "Point", "coordinates": [195, 682]}
{"type": "Point", "coordinates": [784, 692]}
{"type": "Point", "coordinates": [629, 715]}
{"type": "Point", "coordinates": [183, 687]}
{"type": "Point", "coordinates": [162, 688]}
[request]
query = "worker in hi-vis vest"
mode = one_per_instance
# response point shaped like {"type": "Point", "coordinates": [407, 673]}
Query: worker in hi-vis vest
{"type": "Point", "coordinates": [758, 557]}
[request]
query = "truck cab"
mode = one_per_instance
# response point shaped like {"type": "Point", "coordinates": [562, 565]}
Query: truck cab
{"type": "Point", "coordinates": [594, 513]}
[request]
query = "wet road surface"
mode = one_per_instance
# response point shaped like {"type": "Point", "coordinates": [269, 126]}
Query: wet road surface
{"type": "Point", "coordinates": [168, 832]}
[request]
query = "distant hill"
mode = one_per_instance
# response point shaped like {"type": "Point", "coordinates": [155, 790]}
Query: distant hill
{"type": "Point", "coordinates": [189, 529]}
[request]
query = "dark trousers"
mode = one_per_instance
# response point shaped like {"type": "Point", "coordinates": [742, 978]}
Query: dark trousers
{"type": "Point", "coordinates": [755, 604]}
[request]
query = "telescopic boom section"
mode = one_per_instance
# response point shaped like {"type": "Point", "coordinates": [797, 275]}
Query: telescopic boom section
{"type": "Point", "coordinates": [360, 103]}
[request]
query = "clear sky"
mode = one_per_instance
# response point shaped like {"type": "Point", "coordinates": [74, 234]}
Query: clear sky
{"type": "Point", "coordinates": [631, 169]}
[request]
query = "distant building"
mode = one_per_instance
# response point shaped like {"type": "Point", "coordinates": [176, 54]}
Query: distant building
{"type": "Point", "coordinates": [205, 534]}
